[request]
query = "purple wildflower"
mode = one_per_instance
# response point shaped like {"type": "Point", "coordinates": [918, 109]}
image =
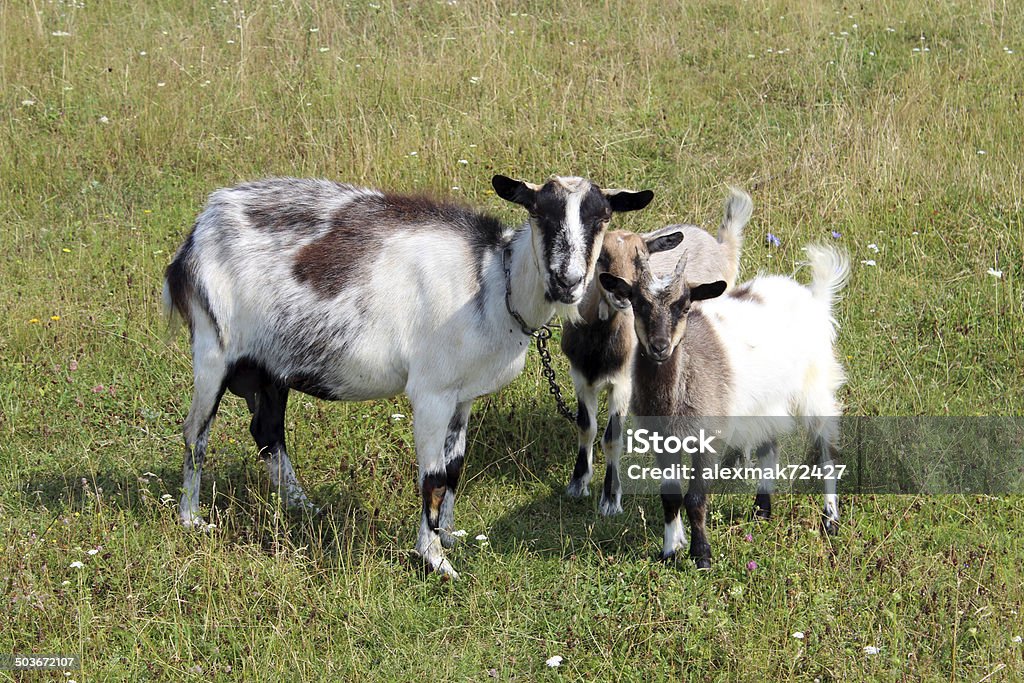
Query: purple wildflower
{"type": "Point", "coordinates": [836, 234]}
{"type": "Point", "coordinates": [773, 241]}
{"type": "Point", "coordinates": [749, 538]}
{"type": "Point", "coordinates": [751, 566]}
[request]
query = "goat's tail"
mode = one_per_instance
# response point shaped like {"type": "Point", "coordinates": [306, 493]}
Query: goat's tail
{"type": "Point", "coordinates": [830, 269]}
{"type": "Point", "coordinates": [179, 287]}
{"type": "Point", "coordinates": [738, 208]}
{"type": "Point", "coordinates": [171, 313]}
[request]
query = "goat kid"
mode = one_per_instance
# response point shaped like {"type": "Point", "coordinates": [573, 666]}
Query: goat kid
{"type": "Point", "coordinates": [765, 349]}
{"type": "Point", "coordinates": [348, 293]}
{"type": "Point", "coordinates": [600, 345]}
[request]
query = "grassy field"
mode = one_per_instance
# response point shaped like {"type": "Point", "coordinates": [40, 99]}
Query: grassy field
{"type": "Point", "coordinates": [896, 124]}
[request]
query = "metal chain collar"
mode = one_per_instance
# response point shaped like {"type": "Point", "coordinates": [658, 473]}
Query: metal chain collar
{"type": "Point", "coordinates": [542, 334]}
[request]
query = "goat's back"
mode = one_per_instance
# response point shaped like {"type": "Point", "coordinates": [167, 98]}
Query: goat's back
{"type": "Point", "coordinates": [779, 342]}
{"type": "Point", "coordinates": [706, 259]}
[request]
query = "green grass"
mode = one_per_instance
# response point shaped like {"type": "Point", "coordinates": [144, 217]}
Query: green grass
{"type": "Point", "coordinates": [107, 154]}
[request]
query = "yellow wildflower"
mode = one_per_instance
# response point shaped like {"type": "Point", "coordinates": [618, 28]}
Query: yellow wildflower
{"type": "Point", "coordinates": [54, 318]}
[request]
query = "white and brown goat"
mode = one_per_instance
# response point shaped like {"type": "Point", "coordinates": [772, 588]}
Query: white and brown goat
{"type": "Point", "coordinates": [600, 345]}
{"type": "Point", "coordinates": [756, 358]}
{"type": "Point", "coordinates": [348, 293]}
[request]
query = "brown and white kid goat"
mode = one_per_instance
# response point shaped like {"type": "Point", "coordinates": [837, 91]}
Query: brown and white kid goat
{"type": "Point", "coordinates": [753, 359]}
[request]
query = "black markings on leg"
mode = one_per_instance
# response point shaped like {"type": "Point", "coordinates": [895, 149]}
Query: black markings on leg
{"type": "Point", "coordinates": [762, 506]}
{"type": "Point", "coordinates": [434, 488]}
{"type": "Point", "coordinates": [582, 465]}
{"type": "Point", "coordinates": [696, 511]}
{"type": "Point", "coordinates": [611, 482]}
{"type": "Point", "coordinates": [454, 455]}
{"type": "Point", "coordinates": [613, 431]}
{"type": "Point", "coordinates": [267, 426]}
{"type": "Point", "coordinates": [582, 416]}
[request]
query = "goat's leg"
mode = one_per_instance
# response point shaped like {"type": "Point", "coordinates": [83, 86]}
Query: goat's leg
{"type": "Point", "coordinates": [611, 444]}
{"type": "Point", "coordinates": [826, 435]}
{"type": "Point", "coordinates": [208, 370]}
{"type": "Point", "coordinates": [671, 504]}
{"type": "Point", "coordinates": [767, 458]}
{"type": "Point", "coordinates": [696, 504]}
{"type": "Point", "coordinates": [432, 414]}
{"type": "Point", "coordinates": [586, 426]}
{"type": "Point", "coordinates": [267, 429]}
{"type": "Point", "coordinates": [454, 453]}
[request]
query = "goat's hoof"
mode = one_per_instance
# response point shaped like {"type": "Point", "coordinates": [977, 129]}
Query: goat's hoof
{"type": "Point", "coordinates": [445, 570]}
{"type": "Point", "coordinates": [760, 514]}
{"type": "Point", "coordinates": [667, 557]}
{"type": "Point", "coordinates": [577, 488]}
{"type": "Point", "coordinates": [702, 562]}
{"type": "Point", "coordinates": [193, 521]}
{"type": "Point", "coordinates": [610, 508]}
{"type": "Point", "coordinates": [829, 526]}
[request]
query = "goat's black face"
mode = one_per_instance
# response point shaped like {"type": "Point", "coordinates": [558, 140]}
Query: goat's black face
{"type": "Point", "coordinates": [659, 309]}
{"type": "Point", "coordinates": [569, 216]}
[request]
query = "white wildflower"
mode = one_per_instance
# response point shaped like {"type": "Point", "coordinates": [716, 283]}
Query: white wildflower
{"type": "Point", "coordinates": [91, 551]}
{"type": "Point", "coordinates": [481, 537]}
{"type": "Point", "coordinates": [60, 34]}
{"type": "Point", "coordinates": [104, 119]}
{"type": "Point", "coordinates": [459, 533]}
{"type": "Point", "coordinates": [873, 247]}
{"type": "Point", "coordinates": [869, 262]}
{"type": "Point", "coordinates": [76, 565]}
{"type": "Point", "coordinates": [998, 274]}
{"type": "Point", "coordinates": [554, 662]}
{"type": "Point", "coordinates": [27, 103]}
{"type": "Point", "coordinates": [871, 650]}
{"type": "Point", "coordinates": [799, 635]}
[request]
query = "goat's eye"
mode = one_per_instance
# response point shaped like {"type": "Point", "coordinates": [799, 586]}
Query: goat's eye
{"type": "Point", "coordinates": [680, 307]}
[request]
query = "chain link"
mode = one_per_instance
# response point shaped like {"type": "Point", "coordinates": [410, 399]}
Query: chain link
{"type": "Point", "coordinates": [542, 335]}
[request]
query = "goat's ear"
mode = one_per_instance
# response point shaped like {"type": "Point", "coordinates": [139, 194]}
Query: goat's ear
{"type": "Point", "coordinates": [515, 191]}
{"type": "Point", "coordinates": [708, 291]}
{"type": "Point", "coordinates": [620, 292]}
{"type": "Point", "coordinates": [627, 200]}
{"type": "Point", "coordinates": [664, 242]}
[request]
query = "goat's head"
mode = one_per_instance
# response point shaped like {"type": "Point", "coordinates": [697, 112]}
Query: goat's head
{"type": "Point", "coordinates": [660, 304]}
{"type": "Point", "coordinates": [569, 216]}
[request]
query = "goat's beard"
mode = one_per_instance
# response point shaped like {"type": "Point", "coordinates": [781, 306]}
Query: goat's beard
{"type": "Point", "coordinates": [568, 312]}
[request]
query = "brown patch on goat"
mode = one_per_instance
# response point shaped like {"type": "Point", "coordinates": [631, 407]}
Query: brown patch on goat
{"type": "Point", "coordinates": [329, 264]}
{"type": "Point", "coordinates": [746, 292]}
{"type": "Point", "coordinates": [358, 229]}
